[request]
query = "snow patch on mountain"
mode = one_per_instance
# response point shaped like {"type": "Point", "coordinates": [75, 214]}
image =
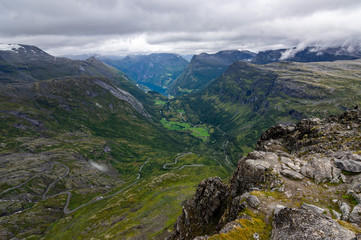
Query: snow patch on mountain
{"type": "Point", "coordinates": [9, 47]}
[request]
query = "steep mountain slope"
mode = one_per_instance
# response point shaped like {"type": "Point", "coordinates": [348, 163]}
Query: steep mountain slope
{"type": "Point", "coordinates": [204, 68]}
{"type": "Point", "coordinates": [247, 99]}
{"type": "Point", "coordinates": [155, 71]}
{"type": "Point", "coordinates": [23, 63]}
{"type": "Point", "coordinates": [75, 146]}
{"type": "Point", "coordinates": [302, 182]}
{"type": "Point", "coordinates": [309, 54]}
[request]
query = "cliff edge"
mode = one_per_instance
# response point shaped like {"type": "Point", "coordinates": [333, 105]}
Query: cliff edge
{"type": "Point", "coordinates": [303, 181]}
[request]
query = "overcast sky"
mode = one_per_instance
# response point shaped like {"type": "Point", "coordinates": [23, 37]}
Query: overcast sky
{"type": "Point", "coordinates": [182, 26]}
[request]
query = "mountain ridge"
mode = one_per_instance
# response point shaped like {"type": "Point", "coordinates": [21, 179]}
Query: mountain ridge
{"type": "Point", "coordinates": [204, 68]}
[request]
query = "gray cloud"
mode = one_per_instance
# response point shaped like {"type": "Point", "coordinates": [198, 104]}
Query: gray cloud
{"type": "Point", "coordinates": [187, 26]}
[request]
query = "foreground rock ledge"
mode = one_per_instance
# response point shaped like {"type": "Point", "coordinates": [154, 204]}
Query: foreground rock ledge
{"type": "Point", "coordinates": [292, 223]}
{"type": "Point", "coordinates": [314, 164]}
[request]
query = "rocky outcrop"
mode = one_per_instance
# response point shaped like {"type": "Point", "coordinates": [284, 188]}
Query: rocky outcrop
{"type": "Point", "coordinates": [349, 165]}
{"type": "Point", "coordinates": [201, 214]}
{"type": "Point", "coordinates": [292, 223]}
{"type": "Point", "coordinates": [257, 170]}
{"type": "Point", "coordinates": [125, 96]}
{"type": "Point", "coordinates": [321, 170]}
{"type": "Point", "coordinates": [297, 165]}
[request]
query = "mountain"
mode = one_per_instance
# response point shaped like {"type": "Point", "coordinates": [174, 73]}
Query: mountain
{"type": "Point", "coordinates": [155, 71]}
{"type": "Point", "coordinates": [97, 56]}
{"type": "Point", "coordinates": [247, 99]}
{"type": "Point", "coordinates": [26, 63]}
{"type": "Point", "coordinates": [83, 152]}
{"type": "Point", "coordinates": [204, 68]}
{"type": "Point", "coordinates": [309, 54]}
{"type": "Point", "coordinates": [301, 182]}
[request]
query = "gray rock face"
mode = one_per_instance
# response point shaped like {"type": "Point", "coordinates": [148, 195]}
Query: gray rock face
{"type": "Point", "coordinates": [355, 215]}
{"type": "Point", "coordinates": [315, 149]}
{"type": "Point", "coordinates": [125, 96]}
{"type": "Point", "coordinates": [345, 210]}
{"type": "Point", "coordinates": [202, 213]}
{"type": "Point", "coordinates": [292, 174]}
{"type": "Point", "coordinates": [320, 170]}
{"type": "Point", "coordinates": [355, 184]}
{"type": "Point", "coordinates": [313, 208]}
{"type": "Point", "coordinates": [302, 224]}
{"type": "Point", "coordinates": [251, 173]}
{"type": "Point", "coordinates": [349, 165]}
{"type": "Point", "coordinates": [253, 201]}
{"type": "Point", "coordinates": [336, 214]}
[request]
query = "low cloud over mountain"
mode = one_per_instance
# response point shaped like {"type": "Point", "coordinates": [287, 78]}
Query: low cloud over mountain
{"type": "Point", "coordinates": [139, 26]}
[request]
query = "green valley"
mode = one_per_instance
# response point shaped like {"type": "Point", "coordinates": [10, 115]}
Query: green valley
{"type": "Point", "coordinates": [89, 155]}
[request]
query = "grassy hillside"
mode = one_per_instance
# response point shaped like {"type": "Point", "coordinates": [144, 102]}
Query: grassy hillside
{"type": "Point", "coordinates": [108, 147]}
{"type": "Point", "coordinates": [204, 68]}
{"type": "Point", "coordinates": [247, 99]}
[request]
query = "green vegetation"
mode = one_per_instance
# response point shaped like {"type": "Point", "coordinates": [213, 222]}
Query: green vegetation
{"type": "Point", "coordinates": [257, 224]}
{"type": "Point", "coordinates": [73, 121]}
{"type": "Point", "coordinates": [154, 202]}
{"type": "Point", "coordinates": [181, 126]}
{"type": "Point", "coordinates": [203, 69]}
{"type": "Point", "coordinates": [153, 162]}
{"type": "Point", "coordinates": [159, 102]}
{"type": "Point", "coordinates": [247, 99]}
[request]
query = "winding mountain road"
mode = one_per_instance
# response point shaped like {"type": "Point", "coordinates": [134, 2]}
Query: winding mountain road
{"type": "Point", "coordinates": [36, 175]}
{"type": "Point", "coordinates": [165, 166]}
{"type": "Point", "coordinates": [69, 195]}
{"type": "Point", "coordinates": [57, 180]}
{"type": "Point", "coordinates": [97, 198]}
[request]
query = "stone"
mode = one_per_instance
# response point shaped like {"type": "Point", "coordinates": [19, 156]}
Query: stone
{"type": "Point", "coordinates": [229, 227]}
{"type": "Point", "coordinates": [357, 197]}
{"type": "Point", "coordinates": [345, 210]}
{"type": "Point", "coordinates": [348, 165]}
{"type": "Point", "coordinates": [238, 203]}
{"type": "Point", "coordinates": [202, 213]}
{"type": "Point", "coordinates": [313, 208]}
{"type": "Point", "coordinates": [321, 170]}
{"type": "Point", "coordinates": [289, 163]}
{"type": "Point", "coordinates": [343, 178]}
{"type": "Point", "coordinates": [336, 214]}
{"type": "Point", "coordinates": [355, 157]}
{"type": "Point", "coordinates": [355, 215]}
{"type": "Point", "coordinates": [253, 201]}
{"type": "Point", "coordinates": [355, 184]}
{"type": "Point", "coordinates": [301, 224]}
{"type": "Point", "coordinates": [292, 174]}
{"type": "Point", "coordinates": [286, 160]}
{"type": "Point", "coordinates": [288, 194]}
{"type": "Point", "coordinates": [250, 174]}
{"type": "Point", "coordinates": [278, 208]}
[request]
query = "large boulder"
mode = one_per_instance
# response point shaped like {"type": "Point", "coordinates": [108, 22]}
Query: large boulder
{"type": "Point", "coordinates": [258, 170]}
{"type": "Point", "coordinates": [321, 170]}
{"type": "Point", "coordinates": [292, 223]}
{"type": "Point", "coordinates": [355, 215]}
{"type": "Point", "coordinates": [355, 184]}
{"type": "Point", "coordinates": [348, 165]}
